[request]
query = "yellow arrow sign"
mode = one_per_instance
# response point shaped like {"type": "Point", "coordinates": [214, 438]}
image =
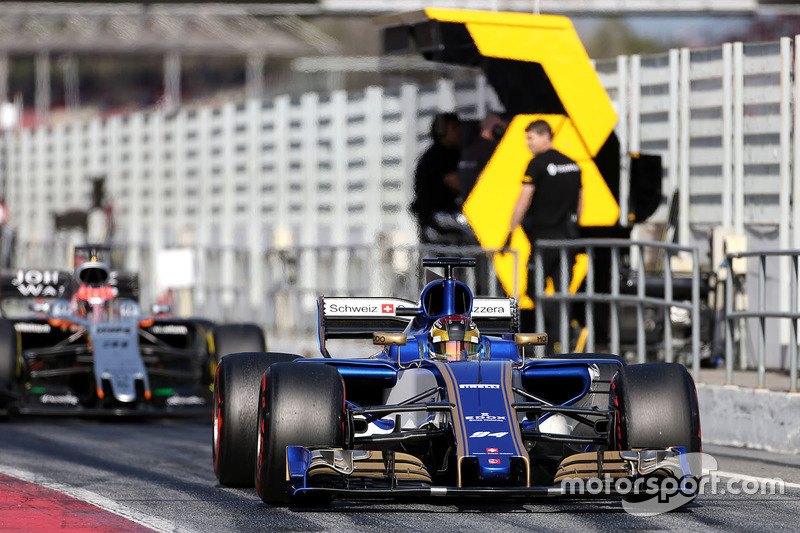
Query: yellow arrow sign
{"type": "Point", "coordinates": [552, 42]}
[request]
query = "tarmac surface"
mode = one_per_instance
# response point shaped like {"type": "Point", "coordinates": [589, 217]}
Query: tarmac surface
{"type": "Point", "coordinates": [158, 474]}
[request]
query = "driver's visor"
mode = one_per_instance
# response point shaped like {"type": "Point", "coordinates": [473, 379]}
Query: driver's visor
{"type": "Point", "coordinates": [455, 350]}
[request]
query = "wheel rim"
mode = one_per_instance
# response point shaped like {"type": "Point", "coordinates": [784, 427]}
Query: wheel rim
{"type": "Point", "coordinates": [617, 417]}
{"type": "Point", "coordinates": [262, 414]}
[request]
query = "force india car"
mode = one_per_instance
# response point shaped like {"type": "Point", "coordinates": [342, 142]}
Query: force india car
{"type": "Point", "coordinates": [79, 344]}
{"type": "Point", "coordinates": [408, 422]}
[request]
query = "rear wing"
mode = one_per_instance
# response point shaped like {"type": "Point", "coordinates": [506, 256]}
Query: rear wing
{"type": "Point", "coordinates": [359, 318]}
{"type": "Point", "coordinates": [33, 283]}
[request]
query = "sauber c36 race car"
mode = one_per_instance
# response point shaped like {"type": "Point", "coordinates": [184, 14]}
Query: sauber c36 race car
{"type": "Point", "coordinates": [453, 405]}
{"type": "Point", "coordinates": [79, 344]}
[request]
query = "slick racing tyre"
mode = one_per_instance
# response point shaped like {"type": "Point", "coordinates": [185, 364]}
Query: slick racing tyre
{"type": "Point", "coordinates": [236, 384]}
{"type": "Point", "coordinates": [233, 338]}
{"type": "Point", "coordinates": [655, 406]}
{"type": "Point", "coordinates": [300, 405]}
{"type": "Point", "coordinates": [8, 354]}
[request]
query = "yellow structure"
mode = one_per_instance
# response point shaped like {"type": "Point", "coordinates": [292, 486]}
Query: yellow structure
{"type": "Point", "coordinates": [491, 202]}
{"type": "Point", "coordinates": [539, 69]}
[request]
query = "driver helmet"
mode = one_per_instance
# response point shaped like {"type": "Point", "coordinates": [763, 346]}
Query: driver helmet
{"type": "Point", "coordinates": [94, 292]}
{"type": "Point", "coordinates": [454, 338]}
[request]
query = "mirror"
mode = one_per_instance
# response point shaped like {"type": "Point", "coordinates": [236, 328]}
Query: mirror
{"type": "Point", "coordinates": [530, 339]}
{"type": "Point", "coordinates": [394, 339]}
{"type": "Point", "coordinates": [160, 309]}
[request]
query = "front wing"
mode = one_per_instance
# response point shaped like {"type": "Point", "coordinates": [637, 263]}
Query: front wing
{"type": "Point", "coordinates": [363, 474]}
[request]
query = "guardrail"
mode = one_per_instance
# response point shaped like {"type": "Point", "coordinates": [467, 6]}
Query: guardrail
{"type": "Point", "coordinates": [615, 298]}
{"type": "Point", "coordinates": [761, 313]}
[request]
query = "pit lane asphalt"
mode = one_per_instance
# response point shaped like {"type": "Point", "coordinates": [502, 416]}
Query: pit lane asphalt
{"type": "Point", "coordinates": [162, 469]}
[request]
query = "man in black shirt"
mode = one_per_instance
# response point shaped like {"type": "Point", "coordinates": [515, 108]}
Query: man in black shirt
{"type": "Point", "coordinates": [437, 197]}
{"type": "Point", "coordinates": [548, 206]}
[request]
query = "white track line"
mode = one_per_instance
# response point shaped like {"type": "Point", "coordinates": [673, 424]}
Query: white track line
{"type": "Point", "coordinates": [143, 519]}
{"type": "Point", "coordinates": [746, 477]}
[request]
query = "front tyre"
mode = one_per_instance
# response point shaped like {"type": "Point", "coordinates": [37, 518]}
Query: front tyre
{"type": "Point", "coordinates": [300, 405]}
{"type": "Point", "coordinates": [235, 412]}
{"type": "Point", "coordinates": [655, 406]}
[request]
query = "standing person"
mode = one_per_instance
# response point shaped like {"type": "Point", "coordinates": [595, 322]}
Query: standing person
{"type": "Point", "coordinates": [474, 159]}
{"type": "Point", "coordinates": [549, 205]}
{"type": "Point", "coordinates": [437, 197]}
{"type": "Point", "coordinates": [478, 153]}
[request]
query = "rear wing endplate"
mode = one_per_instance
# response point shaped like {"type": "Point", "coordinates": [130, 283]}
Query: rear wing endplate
{"type": "Point", "coordinates": [496, 316]}
{"type": "Point", "coordinates": [358, 318]}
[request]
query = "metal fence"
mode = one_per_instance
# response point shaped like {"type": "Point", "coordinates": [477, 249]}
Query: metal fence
{"type": "Point", "coordinates": [618, 292]}
{"type": "Point", "coordinates": [735, 323]}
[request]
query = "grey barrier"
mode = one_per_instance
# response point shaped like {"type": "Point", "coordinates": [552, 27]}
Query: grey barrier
{"type": "Point", "coordinates": [761, 313]}
{"type": "Point", "coordinates": [614, 297]}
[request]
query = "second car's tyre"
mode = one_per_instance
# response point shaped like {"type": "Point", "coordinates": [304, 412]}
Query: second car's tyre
{"type": "Point", "coordinates": [9, 354]}
{"type": "Point", "coordinates": [655, 406]}
{"type": "Point", "coordinates": [233, 338]}
{"type": "Point", "coordinates": [236, 385]}
{"type": "Point", "coordinates": [300, 405]}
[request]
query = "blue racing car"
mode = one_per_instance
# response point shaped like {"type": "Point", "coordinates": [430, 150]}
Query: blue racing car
{"type": "Point", "coordinates": [453, 405]}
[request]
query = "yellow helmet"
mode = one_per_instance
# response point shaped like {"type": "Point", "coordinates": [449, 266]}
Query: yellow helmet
{"type": "Point", "coordinates": [453, 338]}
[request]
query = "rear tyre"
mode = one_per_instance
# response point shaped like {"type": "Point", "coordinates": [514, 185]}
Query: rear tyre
{"type": "Point", "coordinates": [231, 338]}
{"type": "Point", "coordinates": [236, 386]}
{"type": "Point", "coordinates": [300, 405]}
{"type": "Point", "coordinates": [587, 356]}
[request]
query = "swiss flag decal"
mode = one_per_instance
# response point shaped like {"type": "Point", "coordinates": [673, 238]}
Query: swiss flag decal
{"type": "Point", "coordinates": [492, 450]}
{"type": "Point", "coordinates": [494, 461]}
{"type": "Point", "coordinates": [387, 308]}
